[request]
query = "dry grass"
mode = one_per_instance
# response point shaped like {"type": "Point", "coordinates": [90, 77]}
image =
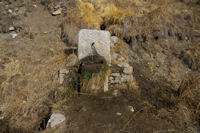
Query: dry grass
{"type": "Point", "coordinates": [28, 100]}
{"type": "Point", "coordinates": [89, 15]}
{"type": "Point", "coordinates": [189, 94]}
{"type": "Point", "coordinates": [61, 58]}
{"type": "Point", "coordinates": [96, 82]}
{"type": "Point", "coordinates": [191, 57]}
{"type": "Point", "coordinates": [19, 105]}
{"type": "Point", "coordinates": [136, 21]}
{"type": "Point", "coordinates": [187, 102]}
{"type": "Point", "coordinates": [145, 19]}
{"type": "Point", "coordinates": [70, 34]}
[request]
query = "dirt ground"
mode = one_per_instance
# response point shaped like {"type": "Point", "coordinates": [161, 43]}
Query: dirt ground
{"type": "Point", "coordinates": [30, 91]}
{"type": "Point", "coordinates": [29, 64]}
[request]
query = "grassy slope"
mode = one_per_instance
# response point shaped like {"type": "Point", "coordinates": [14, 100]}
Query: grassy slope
{"type": "Point", "coordinates": [125, 19]}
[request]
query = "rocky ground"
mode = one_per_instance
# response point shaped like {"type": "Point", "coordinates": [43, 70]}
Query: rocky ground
{"type": "Point", "coordinates": [158, 39]}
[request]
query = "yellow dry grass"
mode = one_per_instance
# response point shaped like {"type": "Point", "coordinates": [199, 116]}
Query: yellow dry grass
{"type": "Point", "coordinates": [89, 15]}
{"type": "Point", "coordinates": [25, 100]}
{"type": "Point", "coordinates": [96, 82]}
{"type": "Point", "coordinates": [61, 58]}
{"type": "Point", "coordinates": [189, 94]}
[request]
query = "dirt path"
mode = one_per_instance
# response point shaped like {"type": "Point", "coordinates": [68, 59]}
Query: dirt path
{"type": "Point", "coordinates": [112, 114]}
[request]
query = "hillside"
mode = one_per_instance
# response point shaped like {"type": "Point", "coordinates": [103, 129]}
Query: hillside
{"type": "Point", "coordinates": [159, 40]}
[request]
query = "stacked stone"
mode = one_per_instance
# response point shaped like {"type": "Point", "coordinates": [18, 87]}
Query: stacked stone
{"type": "Point", "coordinates": [122, 77]}
{"type": "Point", "coordinates": [69, 67]}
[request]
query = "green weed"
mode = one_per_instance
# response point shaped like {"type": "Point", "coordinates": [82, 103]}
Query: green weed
{"type": "Point", "coordinates": [86, 75]}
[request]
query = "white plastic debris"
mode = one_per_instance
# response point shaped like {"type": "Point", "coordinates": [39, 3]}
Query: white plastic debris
{"type": "Point", "coordinates": [55, 119]}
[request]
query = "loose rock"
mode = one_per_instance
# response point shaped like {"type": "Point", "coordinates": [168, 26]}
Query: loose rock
{"type": "Point", "coordinates": [114, 40]}
{"type": "Point", "coordinates": [72, 60]}
{"type": "Point", "coordinates": [55, 120]}
{"type": "Point", "coordinates": [10, 11]}
{"type": "Point", "coordinates": [12, 28]}
{"type": "Point", "coordinates": [57, 7]}
{"type": "Point", "coordinates": [126, 78]}
{"type": "Point", "coordinates": [43, 2]}
{"type": "Point", "coordinates": [115, 93]}
{"type": "Point", "coordinates": [57, 12]}
{"type": "Point", "coordinates": [21, 10]}
{"type": "Point", "coordinates": [35, 6]}
{"type": "Point", "coordinates": [62, 73]}
{"type": "Point", "coordinates": [115, 74]}
{"type": "Point", "coordinates": [123, 64]}
{"type": "Point", "coordinates": [171, 32]}
{"type": "Point", "coordinates": [128, 70]}
{"type": "Point", "coordinates": [14, 35]}
{"type": "Point", "coordinates": [84, 109]}
{"type": "Point", "coordinates": [131, 108]}
{"type": "Point", "coordinates": [119, 114]}
{"type": "Point", "coordinates": [115, 55]}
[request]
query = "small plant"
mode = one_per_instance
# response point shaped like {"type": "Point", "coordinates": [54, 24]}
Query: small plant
{"type": "Point", "coordinates": [71, 84]}
{"type": "Point", "coordinates": [106, 67]}
{"type": "Point", "coordinates": [104, 71]}
{"type": "Point", "coordinates": [86, 75]}
{"type": "Point", "coordinates": [74, 81]}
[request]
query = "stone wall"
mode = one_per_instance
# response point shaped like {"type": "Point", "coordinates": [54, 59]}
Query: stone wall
{"type": "Point", "coordinates": [122, 73]}
{"type": "Point", "coordinates": [100, 69]}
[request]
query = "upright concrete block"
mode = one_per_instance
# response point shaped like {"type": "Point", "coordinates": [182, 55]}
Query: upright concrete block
{"type": "Point", "coordinates": [92, 42]}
